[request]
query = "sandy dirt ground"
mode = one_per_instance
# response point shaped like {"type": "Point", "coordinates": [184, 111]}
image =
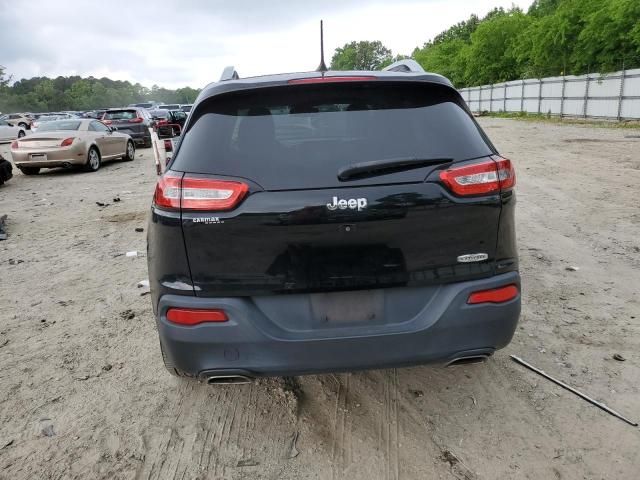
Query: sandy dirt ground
{"type": "Point", "coordinates": [83, 393]}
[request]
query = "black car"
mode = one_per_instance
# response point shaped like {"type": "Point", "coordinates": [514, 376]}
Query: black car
{"type": "Point", "coordinates": [135, 122]}
{"type": "Point", "coordinates": [318, 222]}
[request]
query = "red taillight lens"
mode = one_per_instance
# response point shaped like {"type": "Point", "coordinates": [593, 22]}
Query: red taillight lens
{"type": "Point", "coordinates": [107, 122]}
{"type": "Point", "coordinates": [168, 146]}
{"type": "Point", "coordinates": [136, 120]}
{"type": "Point", "coordinates": [67, 142]}
{"type": "Point", "coordinates": [205, 194]}
{"type": "Point", "coordinates": [496, 295]}
{"type": "Point", "coordinates": [361, 78]}
{"type": "Point", "coordinates": [186, 316]}
{"type": "Point", "coordinates": [489, 176]}
{"type": "Point", "coordinates": [174, 192]}
{"type": "Point", "coordinates": [14, 144]}
{"type": "Point", "coordinates": [167, 194]}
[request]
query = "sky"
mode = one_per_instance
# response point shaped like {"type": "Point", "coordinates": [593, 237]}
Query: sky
{"type": "Point", "coordinates": [189, 42]}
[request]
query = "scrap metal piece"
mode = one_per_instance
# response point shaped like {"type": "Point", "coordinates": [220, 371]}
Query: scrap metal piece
{"type": "Point", "coordinates": [573, 390]}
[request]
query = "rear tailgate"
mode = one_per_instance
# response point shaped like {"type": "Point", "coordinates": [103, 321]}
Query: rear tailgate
{"type": "Point", "coordinates": [301, 228]}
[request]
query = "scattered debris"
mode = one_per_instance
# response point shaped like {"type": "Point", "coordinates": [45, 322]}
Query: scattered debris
{"type": "Point", "coordinates": [132, 253]}
{"type": "Point", "coordinates": [145, 293]}
{"type": "Point", "coordinates": [116, 199]}
{"type": "Point", "coordinates": [15, 262]}
{"type": "Point", "coordinates": [143, 283]}
{"type": "Point", "coordinates": [102, 204]}
{"type": "Point", "coordinates": [249, 462]}
{"type": "Point", "coordinates": [6, 443]}
{"type": "Point", "coordinates": [618, 357]}
{"type": "Point", "coordinates": [572, 268]}
{"type": "Point", "coordinates": [107, 367]}
{"type": "Point", "coordinates": [416, 393]}
{"type": "Point", "coordinates": [128, 315]}
{"type": "Point", "coordinates": [139, 229]}
{"type": "Point", "coordinates": [573, 390]}
{"type": "Point", "coordinates": [6, 170]}
{"type": "Point", "coordinates": [4, 343]}
{"type": "Point", "coordinates": [3, 233]}
{"type": "Point", "coordinates": [48, 430]}
{"type": "Point", "coordinates": [293, 450]}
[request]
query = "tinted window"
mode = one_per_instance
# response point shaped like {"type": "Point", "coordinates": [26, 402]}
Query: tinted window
{"type": "Point", "coordinates": [301, 136]}
{"type": "Point", "coordinates": [120, 115]}
{"type": "Point", "coordinates": [186, 108]}
{"type": "Point", "coordinates": [159, 113]}
{"type": "Point", "coordinates": [59, 125]}
{"type": "Point", "coordinates": [169, 107]}
{"type": "Point", "coordinates": [98, 127]}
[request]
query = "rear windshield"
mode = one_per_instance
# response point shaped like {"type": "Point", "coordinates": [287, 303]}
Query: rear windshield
{"type": "Point", "coordinates": [169, 107]}
{"type": "Point", "coordinates": [301, 136]}
{"type": "Point", "coordinates": [59, 125]}
{"type": "Point", "coordinates": [159, 113]}
{"type": "Point", "coordinates": [120, 115]}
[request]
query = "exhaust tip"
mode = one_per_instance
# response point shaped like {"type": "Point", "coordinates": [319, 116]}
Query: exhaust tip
{"type": "Point", "coordinates": [471, 359]}
{"type": "Point", "coordinates": [228, 380]}
{"type": "Point", "coordinates": [66, 165]}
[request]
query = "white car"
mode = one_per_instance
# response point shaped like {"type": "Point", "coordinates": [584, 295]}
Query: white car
{"type": "Point", "coordinates": [8, 132]}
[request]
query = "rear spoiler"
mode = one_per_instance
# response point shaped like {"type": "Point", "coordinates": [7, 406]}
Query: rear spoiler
{"type": "Point", "coordinates": [407, 65]}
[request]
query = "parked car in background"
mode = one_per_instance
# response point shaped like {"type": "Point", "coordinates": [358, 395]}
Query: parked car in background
{"type": "Point", "coordinates": [22, 120]}
{"type": "Point", "coordinates": [10, 132]}
{"type": "Point", "coordinates": [132, 121]}
{"type": "Point", "coordinates": [186, 108]}
{"type": "Point", "coordinates": [147, 105]}
{"type": "Point", "coordinates": [169, 106]}
{"type": "Point", "coordinates": [71, 143]}
{"type": "Point", "coordinates": [165, 121]}
{"type": "Point", "coordinates": [316, 222]}
{"type": "Point", "coordinates": [50, 118]}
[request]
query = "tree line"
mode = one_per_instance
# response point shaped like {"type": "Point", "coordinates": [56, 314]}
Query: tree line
{"type": "Point", "coordinates": [554, 37]}
{"type": "Point", "coordinates": [42, 94]}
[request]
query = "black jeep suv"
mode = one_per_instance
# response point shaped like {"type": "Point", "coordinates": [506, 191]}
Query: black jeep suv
{"type": "Point", "coordinates": [318, 222]}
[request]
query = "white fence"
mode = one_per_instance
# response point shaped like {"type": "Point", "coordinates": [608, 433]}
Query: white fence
{"type": "Point", "coordinates": [612, 95]}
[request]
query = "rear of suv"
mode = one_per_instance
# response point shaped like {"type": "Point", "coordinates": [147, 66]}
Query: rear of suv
{"type": "Point", "coordinates": [325, 222]}
{"type": "Point", "coordinates": [135, 122]}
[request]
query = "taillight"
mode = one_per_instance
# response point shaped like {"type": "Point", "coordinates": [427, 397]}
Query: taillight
{"type": "Point", "coordinates": [325, 79]}
{"type": "Point", "coordinates": [107, 122]}
{"type": "Point", "coordinates": [489, 176]}
{"type": "Point", "coordinates": [174, 192]}
{"type": "Point", "coordinates": [67, 141]}
{"type": "Point", "coordinates": [187, 316]}
{"type": "Point", "coordinates": [205, 194]}
{"type": "Point", "coordinates": [14, 144]}
{"type": "Point", "coordinates": [136, 120]}
{"type": "Point", "coordinates": [168, 146]}
{"type": "Point", "coordinates": [495, 295]}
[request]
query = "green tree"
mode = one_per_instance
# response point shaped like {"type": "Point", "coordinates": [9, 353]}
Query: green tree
{"type": "Point", "coordinates": [362, 55]}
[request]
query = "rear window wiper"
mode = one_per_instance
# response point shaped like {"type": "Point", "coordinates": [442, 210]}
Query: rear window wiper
{"type": "Point", "coordinates": [384, 167]}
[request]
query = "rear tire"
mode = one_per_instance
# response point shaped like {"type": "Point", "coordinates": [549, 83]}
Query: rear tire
{"type": "Point", "coordinates": [93, 160]}
{"type": "Point", "coordinates": [21, 133]}
{"type": "Point", "coordinates": [29, 170]}
{"type": "Point", "coordinates": [147, 142]}
{"type": "Point", "coordinates": [130, 152]}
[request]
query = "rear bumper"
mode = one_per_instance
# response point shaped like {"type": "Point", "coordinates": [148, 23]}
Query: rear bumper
{"type": "Point", "coordinates": [445, 329]}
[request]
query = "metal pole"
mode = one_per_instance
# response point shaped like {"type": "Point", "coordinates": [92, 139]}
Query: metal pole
{"type": "Point", "coordinates": [504, 98]}
{"type": "Point", "coordinates": [480, 100]}
{"type": "Point", "coordinates": [573, 390]}
{"type": "Point", "coordinates": [564, 82]}
{"type": "Point", "coordinates": [540, 82]}
{"type": "Point", "coordinates": [621, 93]}
{"type": "Point", "coordinates": [586, 97]}
{"type": "Point", "coordinates": [491, 99]}
{"type": "Point", "coordinates": [522, 97]}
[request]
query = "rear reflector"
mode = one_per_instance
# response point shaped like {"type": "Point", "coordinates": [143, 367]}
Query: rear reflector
{"type": "Point", "coordinates": [67, 141]}
{"type": "Point", "coordinates": [486, 177]}
{"type": "Point", "coordinates": [186, 316]}
{"type": "Point", "coordinates": [496, 295]}
{"type": "Point", "coordinates": [361, 78]}
{"type": "Point", "coordinates": [189, 193]}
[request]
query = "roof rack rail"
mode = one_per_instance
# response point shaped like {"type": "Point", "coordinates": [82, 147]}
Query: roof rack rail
{"type": "Point", "coordinates": [229, 73]}
{"type": "Point", "coordinates": [407, 65]}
